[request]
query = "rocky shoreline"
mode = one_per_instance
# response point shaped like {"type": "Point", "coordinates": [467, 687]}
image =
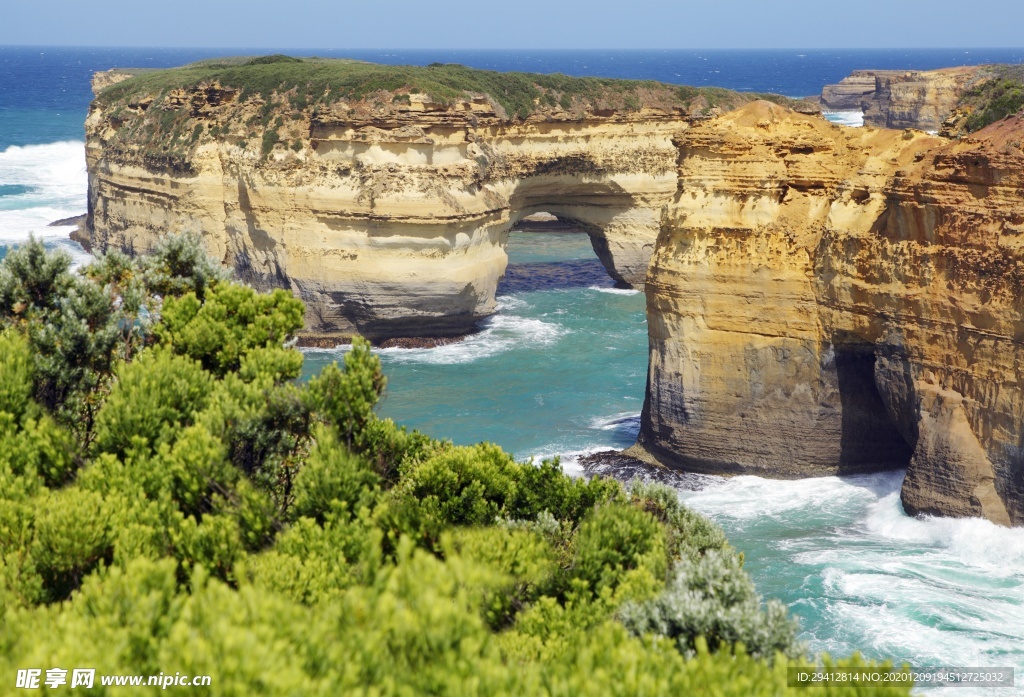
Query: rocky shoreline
{"type": "Point", "coordinates": [625, 467]}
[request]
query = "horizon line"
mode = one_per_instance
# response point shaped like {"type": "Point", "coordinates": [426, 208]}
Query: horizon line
{"type": "Point", "coordinates": [492, 49]}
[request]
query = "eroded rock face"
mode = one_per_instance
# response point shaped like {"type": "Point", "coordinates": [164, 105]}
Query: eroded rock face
{"type": "Point", "coordinates": [830, 301]}
{"type": "Point", "coordinates": [921, 99]}
{"type": "Point", "coordinates": [821, 300]}
{"type": "Point", "coordinates": [393, 225]}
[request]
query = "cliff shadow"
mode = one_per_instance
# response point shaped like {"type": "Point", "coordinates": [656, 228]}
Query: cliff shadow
{"type": "Point", "coordinates": [870, 440]}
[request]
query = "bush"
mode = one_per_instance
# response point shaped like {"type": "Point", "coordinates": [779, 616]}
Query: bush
{"type": "Point", "coordinates": [334, 482]}
{"type": "Point", "coordinates": [620, 548]}
{"type": "Point", "coordinates": [226, 520]}
{"type": "Point", "coordinates": [72, 536]}
{"type": "Point", "coordinates": [713, 598]}
{"type": "Point", "coordinates": [689, 534]}
{"type": "Point", "coordinates": [154, 398]}
{"type": "Point", "coordinates": [231, 320]}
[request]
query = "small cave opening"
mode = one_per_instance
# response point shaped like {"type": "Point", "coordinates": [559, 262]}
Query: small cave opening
{"type": "Point", "coordinates": [870, 440]}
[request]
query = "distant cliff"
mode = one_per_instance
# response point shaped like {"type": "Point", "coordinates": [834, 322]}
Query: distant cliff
{"type": "Point", "coordinates": [382, 195]}
{"type": "Point", "coordinates": [825, 300]}
{"type": "Point", "coordinates": [921, 99]}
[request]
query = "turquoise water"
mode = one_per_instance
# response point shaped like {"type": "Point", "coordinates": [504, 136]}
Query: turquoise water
{"type": "Point", "coordinates": [860, 574]}
{"type": "Point", "coordinates": [560, 369]}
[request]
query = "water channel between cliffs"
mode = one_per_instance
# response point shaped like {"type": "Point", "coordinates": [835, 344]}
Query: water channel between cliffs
{"type": "Point", "coordinates": [561, 369]}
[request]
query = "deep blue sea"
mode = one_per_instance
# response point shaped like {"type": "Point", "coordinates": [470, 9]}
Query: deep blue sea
{"type": "Point", "coordinates": [560, 369]}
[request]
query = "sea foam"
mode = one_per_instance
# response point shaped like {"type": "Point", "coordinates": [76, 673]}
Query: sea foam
{"type": "Point", "coordinates": [863, 575]}
{"type": "Point", "coordinates": [616, 291]}
{"type": "Point", "coordinates": [55, 182]}
{"type": "Point", "coordinates": [854, 119]}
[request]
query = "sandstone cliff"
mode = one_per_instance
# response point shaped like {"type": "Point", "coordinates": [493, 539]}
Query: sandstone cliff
{"type": "Point", "coordinates": [382, 196]}
{"type": "Point", "coordinates": [821, 300]}
{"type": "Point", "coordinates": [830, 301]}
{"type": "Point", "coordinates": [921, 99]}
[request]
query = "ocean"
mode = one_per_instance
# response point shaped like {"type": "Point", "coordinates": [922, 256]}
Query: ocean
{"type": "Point", "coordinates": [560, 369]}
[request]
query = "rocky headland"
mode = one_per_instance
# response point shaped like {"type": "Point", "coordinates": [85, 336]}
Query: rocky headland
{"type": "Point", "coordinates": [382, 196]}
{"type": "Point", "coordinates": [951, 101]}
{"type": "Point", "coordinates": [820, 300]}
{"type": "Point", "coordinates": [921, 99]}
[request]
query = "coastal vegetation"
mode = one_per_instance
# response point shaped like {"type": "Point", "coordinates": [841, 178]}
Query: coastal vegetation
{"type": "Point", "coordinates": [321, 81]}
{"type": "Point", "coordinates": [174, 500]}
{"type": "Point", "coordinates": [167, 113]}
{"type": "Point", "coordinates": [997, 94]}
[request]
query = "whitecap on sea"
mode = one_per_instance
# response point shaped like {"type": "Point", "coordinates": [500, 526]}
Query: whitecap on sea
{"type": "Point", "coordinates": [862, 574]}
{"type": "Point", "coordinates": [500, 333]}
{"type": "Point", "coordinates": [52, 184]}
{"type": "Point", "coordinates": [627, 422]}
{"type": "Point", "coordinates": [854, 119]}
{"type": "Point", "coordinates": [616, 291]}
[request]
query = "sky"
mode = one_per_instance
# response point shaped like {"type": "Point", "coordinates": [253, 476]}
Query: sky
{"type": "Point", "coordinates": [518, 24]}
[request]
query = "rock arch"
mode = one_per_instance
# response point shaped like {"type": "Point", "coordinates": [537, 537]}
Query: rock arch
{"type": "Point", "coordinates": [802, 274]}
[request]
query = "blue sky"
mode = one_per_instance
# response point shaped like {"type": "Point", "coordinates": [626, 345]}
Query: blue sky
{"type": "Point", "coordinates": [526, 24]}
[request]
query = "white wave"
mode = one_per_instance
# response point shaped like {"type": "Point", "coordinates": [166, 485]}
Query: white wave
{"type": "Point", "coordinates": [930, 591]}
{"type": "Point", "coordinates": [628, 421]}
{"type": "Point", "coordinates": [854, 119]}
{"type": "Point", "coordinates": [506, 303]}
{"type": "Point", "coordinates": [974, 542]}
{"type": "Point", "coordinates": [501, 333]}
{"type": "Point", "coordinates": [616, 291]}
{"type": "Point", "coordinates": [568, 459]}
{"type": "Point", "coordinates": [749, 497]}
{"type": "Point", "coordinates": [57, 183]}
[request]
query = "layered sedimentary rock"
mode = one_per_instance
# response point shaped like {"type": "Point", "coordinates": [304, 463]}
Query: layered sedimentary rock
{"type": "Point", "coordinates": [850, 93]}
{"type": "Point", "coordinates": [921, 99]}
{"type": "Point", "coordinates": [832, 301]}
{"type": "Point", "coordinates": [397, 231]}
{"type": "Point", "coordinates": [821, 300]}
{"type": "Point", "coordinates": [387, 214]}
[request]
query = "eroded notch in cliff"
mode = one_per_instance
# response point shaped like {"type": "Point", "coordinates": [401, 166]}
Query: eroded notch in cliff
{"type": "Point", "coordinates": [870, 439]}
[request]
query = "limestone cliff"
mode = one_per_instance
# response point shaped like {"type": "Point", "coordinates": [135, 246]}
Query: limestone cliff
{"type": "Point", "coordinates": [921, 99]}
{"type": "Point", "coordinates": [821, 300]}
{"type": "Point", "coordinates": [382, 196]}
{"type": "Point", "coordinates": [831, 301]}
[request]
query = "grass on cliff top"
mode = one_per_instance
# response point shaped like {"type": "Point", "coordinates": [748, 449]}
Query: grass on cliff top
{"type": "Point", "coordinates": [321, 80]}
{"type": "Point", "coordinates": [1000, 93]}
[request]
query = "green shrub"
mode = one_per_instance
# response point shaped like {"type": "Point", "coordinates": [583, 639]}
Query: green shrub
{"type": "Point", "coordinates": [16, 374]}
{"type": "Point", "coordinates": [224, 519]}
{"type": "Point", "coordinates": [333, 482]}
{"type": "Point", "coordinates": [230, 321]}
{"type": "Point", "coordinates": [346, 398]}
{"type": "Point", "coordinates": [155, 397]}
{"type": "Point", "coordinates": [72, 536]}
{"type": "Point", "coordinates": [620, 546]}
{"type": "Point", "coordinates": [713, 598]}
{"type": "Point", "coordinates": [689, 533]}
{"type": "Point", "coordinates": [178, 265]}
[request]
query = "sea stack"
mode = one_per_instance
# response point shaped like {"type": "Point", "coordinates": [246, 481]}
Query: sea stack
{"type": "Point", "coordinates": [826, 300]}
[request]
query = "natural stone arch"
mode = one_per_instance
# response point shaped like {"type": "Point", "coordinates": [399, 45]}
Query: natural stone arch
{"type": "Point", "coordinates": [399, 231]}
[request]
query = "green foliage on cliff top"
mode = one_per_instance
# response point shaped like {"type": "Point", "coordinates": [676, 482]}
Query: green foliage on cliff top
{"type": "Point", "coordinates": [330, 80]}
{"type": "Point", "coordinates": [998, 94]}
{"type": "Point", "coordinates": [183, 505]}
